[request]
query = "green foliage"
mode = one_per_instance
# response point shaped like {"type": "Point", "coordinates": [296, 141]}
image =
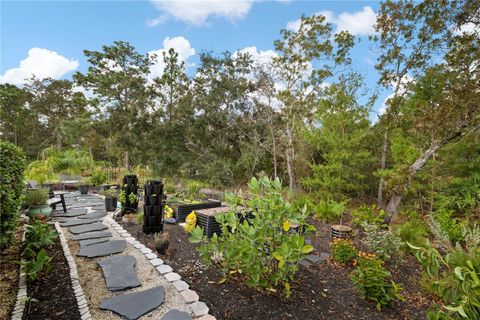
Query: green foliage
{"type": "Point", "coordinates": [369, 215]}
{"type": "Point", "coordinates": [98, 177]}
{"type": "Point", "coordinates": [263, 250]}
{"type": "Point", "coordinates": [41, 171]}
{"type": "Point", "coordinates": [414, 231]}
{"type": "Point", "coordinates": [445, 226]}
{"type": "Point", "coordinates": [12, 169]}
{"type": "Point", "coordinates": [37, 197]}
{"type": "Point", "coordinates": [371, 279]}
{"type": "Point", "coordinates": [329, 210]}
{"type": "Point", "coordinates": [454, 277]}
{"type": "Point", "coordinates": [193, 189]}
{"type": "Point", "coordinates": [38, 264]}
{"type": "Point", "coordinates": [343, 250]}
{"type": "Point", "coordinates": [113, 193]}
{"type": "Point", "coordinates": [382, 241]}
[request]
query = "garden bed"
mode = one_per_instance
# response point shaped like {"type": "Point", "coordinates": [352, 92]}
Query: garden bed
{"type": "Point", "coordinates": [54, 292]}
{"type": "Point", "coordinates": [319, 292]}
{"type": "Point", "coordinates": [9, 275]}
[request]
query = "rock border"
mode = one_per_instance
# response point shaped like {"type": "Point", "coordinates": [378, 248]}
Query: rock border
{"type": "Point", "coordinates": [77, 288]}
{"type": "Point", "coordinates": [198, 309]}
{"type": "Point", "coordinates": [17, 313]}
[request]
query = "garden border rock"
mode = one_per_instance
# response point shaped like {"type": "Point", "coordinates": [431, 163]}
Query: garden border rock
{"type": "Point", "coordinates": [82, 303]}
{"type": "Point", "coordinates": [198, 309]}
{"type": "Point", "coordinates": [17, 313]}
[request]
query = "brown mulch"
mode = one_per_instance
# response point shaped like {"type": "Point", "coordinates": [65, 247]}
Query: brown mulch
{"type": "Point", "coordinates": [9, 273]}
{"type": "Point", "coordinates": [54, 292]}
{"type": "Point", "coordinates": [319, 292]}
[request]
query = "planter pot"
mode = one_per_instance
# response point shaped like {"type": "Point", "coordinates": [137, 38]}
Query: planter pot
{"type": "Point", "coordinates": [44, 210]}
{"type": "Point", "coordinates": [152, 221]}
{"type": "Point", "coordinates": [147, 210]}
{"type": "Point", "coordinates": [157, 210]}
{"type": "Point", "coordinates": [84, 189]}
{"type": "Point", "coordinates": [148, 190]}
{"type": "Point", "coordinates": [153, 200]}
{"type": "Point", "coordinates": [110, 203]}
{"type": "Point", "coordinates": [158, 189]}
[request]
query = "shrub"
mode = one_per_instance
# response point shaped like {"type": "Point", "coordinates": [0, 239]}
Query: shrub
{"type": "Point", "coordinates": [12, 169]}
{"type": "Point", "coordinates": [193, 189]}
{"type": "Point", "coordinates": [454, 278]}
{"type": "Point", "coordinates": [329, 210]}
{"type": "Point", "coordinates": [371, 279]}
{"type": "Point", "coordinates": [37, 197]}
{"type": "Point", "coordinates": [415, 230]}
{"type": "Point", "coordinates": [382, 241]}
{"type": "Point", "coordinates": [370, 215]}
{"type": "Point", "coordinates": [98, 177]}
{"type": "Point", "coordinates": [343, 250]}
{"type": "Point", "coordinates": [38, 264]}
{"type": "Point", "coordinates": [445, 227]}
{"type": "Point", "coordinates": [263, 249]}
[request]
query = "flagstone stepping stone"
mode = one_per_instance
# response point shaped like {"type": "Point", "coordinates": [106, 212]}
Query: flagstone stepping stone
{"type": "Point", "coordinates": [119, 272]}
{"type": "Point", "coordinates": [87, 204]}
{"type": "Point", "coordinates": [94, 214]}
{"type": "Point", "coordinates": [176, 315]}
{"type": "Point", "coordinates": [313, 258]}
{"type": "Point", "coordinates": [88, 228]}
{"type": "Point", "coordinates": [92, 235]}
{"type": "Point", "coordinates": [85, 243]}
{"type": "Point", "coordinates": [70, 213]}
{"type": "Point", "coordinates": [102, 249]}
{"type": "Point", "coordinates": [134, 305]}
{"type": "Point", "coordinates": [78, 222]}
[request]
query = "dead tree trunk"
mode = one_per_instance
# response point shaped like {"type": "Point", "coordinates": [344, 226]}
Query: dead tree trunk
{"type": "Point", "coordinates": [290, 158]}
{"type": "Point", "coordinates": [383, 161]}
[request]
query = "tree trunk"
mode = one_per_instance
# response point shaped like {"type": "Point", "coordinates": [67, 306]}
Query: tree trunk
{"type": "Point", "coordinates": [396, 199]}
{"type": "Point", "coordinates": [274, 153]}
{"type": "Point", "coordinates": [381, 184]}
{"type": "Point", "coordinates": [290, 158]}
{"type": "Point", "coordinates": [127, 164]}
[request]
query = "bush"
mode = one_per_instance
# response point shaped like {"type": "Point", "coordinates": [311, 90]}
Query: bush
{"type": "Point", "coordinates": [98, 177]}
{"type": "Point", "coordinates": [37, 197]}
{"type": "Point", "coordinates": [454, 277]}
{"type": "Point", "coordinates": [370, 215]}
{"type": "Point", "coordinates": [382, 241]}
{"type": "Point", "coordinates": [415, 230]}
{"type": "Point", "coordinates": [263, 250]}
{"type": "Point", "coordinates": [371, 279]}
{"type": "Point", "coordinates": [12, 169]}
{"type": "Point", "coordinates": [329, 210]}
{"type": "Point", "coordinates": [445, 227]}
{"type": "Point", "coordinates": [343, 250]}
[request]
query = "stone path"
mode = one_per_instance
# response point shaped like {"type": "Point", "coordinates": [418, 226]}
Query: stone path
{"type": "Point", "coordinates": [132, 282]}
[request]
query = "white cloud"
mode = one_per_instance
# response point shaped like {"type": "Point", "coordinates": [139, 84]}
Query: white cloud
{"type": "Point", "coordinates": [358, 23]}
{"type": "Point", "coordinates": [197, 12]}
{"type": "Point", "coordinates": [180, 45]}
{"type": "Point", "coordinates": [467, 28]}
{"type": "Point", "coordinates": [41, 63]}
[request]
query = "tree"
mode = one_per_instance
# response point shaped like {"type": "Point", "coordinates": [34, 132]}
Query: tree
{"type": "Point", "coordinates": [413, 37]}
{"type": "Point", "coordinates": [13, 111]}
{"type": "Point", "coordinates": [307, 58]}
{"type": "Point", "coordinates": [118, 77]}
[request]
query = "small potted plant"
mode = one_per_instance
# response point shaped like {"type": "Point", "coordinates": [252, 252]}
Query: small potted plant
{"type": "Point", "coordinates": [83, 186]}
{"type": "Point", "coordinates": [161, 242]}
{"type": "Point", "coordinates": [111, 196]}
{"type": "Point", "coordinates": [37, 202]}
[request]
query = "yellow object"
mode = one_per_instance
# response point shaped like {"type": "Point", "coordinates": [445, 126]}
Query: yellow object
{"type": "Point", "coordinates": [286, 225]}
{"type": "Point", "coordinates": [190, 222]}
{"type": "Point", "coordinates": [168, 212]}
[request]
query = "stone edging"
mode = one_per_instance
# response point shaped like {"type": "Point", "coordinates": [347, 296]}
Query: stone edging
{"type": "Point", "coordinates": [81, 300]}
{"type": "Point", "coordinates": [17, 313]}
{"type": "Point", "coordinates": [198, 309]}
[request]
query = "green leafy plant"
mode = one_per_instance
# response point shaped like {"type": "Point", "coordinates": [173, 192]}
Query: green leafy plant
{"type": "Point", "coordinates": [446, 227]}
{"type": "Point", "coordinates": [132, 197]}
{"type": "Point", "coordinates": [11, 186]}
{"type": "Point", "coordinates": [343, 250]}
{"type": "Point", "coordinates": [330, 210]}
{"type": "Point", "coordinates": [122, 196]}
{"type": "Point", "coordinates": [415, 230]}
{"type": "Point", "coordinates": [454, 277]}
{"type": "Point", "coordinates": [38, 235]}
{"type": "Point", "coordinates": [98, 177]}
{"type": "Point", "coordinates": [263, 251]}
{"type": "Point", "coordinates": [372, 280]}
{"type": "Point", "coordinates": [370, 215]}
{"type": "Point", "coordinates": [37, 197]}
{"type": "Point", "coordinates": [193, 188]}
{"type": "Point", "coordinates": [382, 241]}
{"type": "Point", "coordinates": [112, 193]}
{"type": "Point", "coordinates": [40, 263]}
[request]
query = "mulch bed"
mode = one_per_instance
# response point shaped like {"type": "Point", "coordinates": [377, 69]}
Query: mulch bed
{"type": "Point", "coordinates": [319, 292]}
{"type": "Point", "coordinates": [9, 273]}
{"type": "Point", "coordinates": [56, 299]}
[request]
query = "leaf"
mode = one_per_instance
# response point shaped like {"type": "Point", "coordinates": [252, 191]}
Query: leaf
{"type": "Point", "coordinates": [307, 248]}
{"type": "Point", "coordinates": [458, 309]}
{"type": "Point", "coordinates": [277, 256]}
{"type": "Point", "coordinates": [223, 280]}
{"type": "Point", "coordinates": [197, 235]}
{"type": "Point", "coordinates": [286, 225]}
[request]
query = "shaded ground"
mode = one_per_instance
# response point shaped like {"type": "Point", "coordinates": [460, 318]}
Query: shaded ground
{"type": "Point", "coordinates": [54, 292]}
{"type": "Point", "coordinates": [9, 274]}
{"type": "Point", "coordinates": [319, 292]}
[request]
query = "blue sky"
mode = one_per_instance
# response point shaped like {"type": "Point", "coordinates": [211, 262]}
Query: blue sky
{"type": "Point", "coordinates": [60, 30]}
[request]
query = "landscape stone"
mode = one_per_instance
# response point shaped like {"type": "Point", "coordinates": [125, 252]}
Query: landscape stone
{"type": "Point", "coordinates": [145, 250]}
{"type": "Point", "coordinates": [94, 214]}
{"type": "Point", "coordinates": [156, 262]}
{"type": "Point", "coordinates": [86, 204]}
{"type": "Point", "coordinates": [190, 296]}
{"type": "Point", "coordinates": [119, 272]}
{"type": "Point", "coordinates": [70, 213]}
{"type": "Point", "coordinates": [139, 245]}
{"type": "Point", "coordinates": [134, 305]}
{"type": "Point", "coordinates": [85, 243]}
{"type": "Point", "coordinates": [172, 276]}
{"type": "Point", "coordinates": [180, 285]}
{"type": "Point", "coordinates": [199, 308]}
{"type": "Point", "coordinates": [92, 235]}
{"type": "Point", "coordinates": [164, 269]}
{"type": "Point", "coordinates": [207, 317]}
{"type": "Point", "coordinates": [151, 256]}
{"type": "Point", "coordinates": [77, 222]}
{"type": "Point", "coordinates": [304, 263]}
{"type": "Point", "coordinates": [324, 255]}
{"type": "Point", "coordinates": [313, 258]}
{"type": "Point", "coordinates": [102, 249]}
{"type": "Point", "coordinates": [176, 315]}
{"type": "Point", "coordinates": [88, 228]}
